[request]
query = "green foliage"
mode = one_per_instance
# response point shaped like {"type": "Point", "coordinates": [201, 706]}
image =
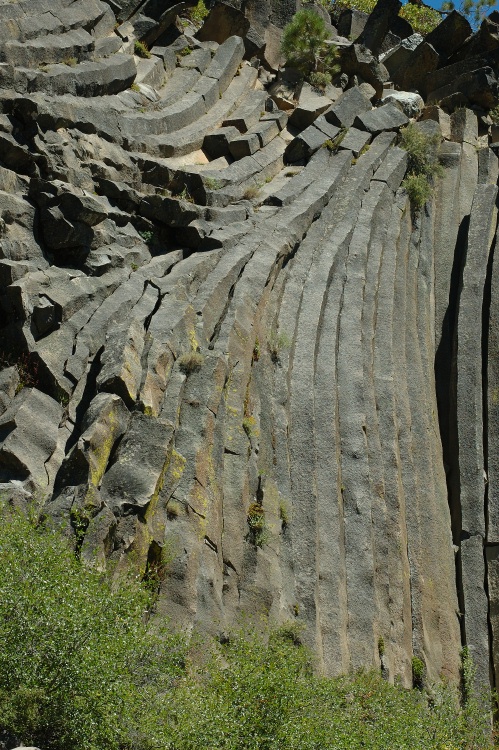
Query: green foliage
{"type": "Point", "coordinates": [141, 50]}
{"type": "Point", "coordinates": [80, 669]}
{"type": "Point", "coordinates": [418, 189]}
{"type": "Point", "coordinates": [258, 530]}
{"type": "Point", "coordinates": [333, 144]}
{"type": "Point", "coordinates": [422, 19]}
{"type": "Point", "coordinates": [304, 45]}
{"type": "Point", "coordinates": [258, 692]}
{"type": "Point", "coordinates": [147, 235]}
{"type": "Point", "coordinates": [320, 80]}
{"type": "Point", "coordinates": [78, 666]}
{"type": "Point", "coordinates": [278, 342]}
{"type": "Point", "coordinates": [418, 672]}
{"type": "Point", "coordinates": [423, 165]}
{"type": "Point", "coordinates": [212, 183]}
{"type": "Point", "coordinates": [249, 426]}
{"type": "Point", "coordinates": [199, 12]}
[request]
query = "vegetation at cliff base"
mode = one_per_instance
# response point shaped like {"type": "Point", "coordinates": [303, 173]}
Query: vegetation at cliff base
{"type": "Point", "coordinates": [82, 667]}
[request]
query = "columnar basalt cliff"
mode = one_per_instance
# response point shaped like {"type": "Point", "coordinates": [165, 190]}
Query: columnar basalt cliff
{"type": "Point", "coordinates": [226, 333]}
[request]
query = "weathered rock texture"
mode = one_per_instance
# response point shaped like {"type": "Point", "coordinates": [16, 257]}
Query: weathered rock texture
{"type": "Point", "coordinates": [210, 319]}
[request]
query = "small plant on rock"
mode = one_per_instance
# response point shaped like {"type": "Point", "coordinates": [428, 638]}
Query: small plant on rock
{"type": "Point", "coordinates": [418, 672]}
{"type": "Point", "coordinates": [190, 362]}
{"type": "Point", "coordinates": [212, 183]}
{"type": "Point", "coordinates": [278, 342]}
{"type": "Point", "coordinates": [141, 50]}
{"type": "Point", "coordinates": [305, 46]}
{"type": "Point", "coordinates": [70, 62]}
{"type": "Point", "coordinates": [423, 165]}
{"type": "Point", "coordinates": [258, 531]}
{"type": "Point", "coordinates": [199, 12]}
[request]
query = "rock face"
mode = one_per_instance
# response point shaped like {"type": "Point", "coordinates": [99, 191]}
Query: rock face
{"type": "Point", "coordinates": [216, 297]}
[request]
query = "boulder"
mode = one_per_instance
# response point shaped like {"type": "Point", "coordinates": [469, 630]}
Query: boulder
{"type": "Point", "coordinates": [351, 23]}
{"type": "Point", "coordinates": [398, 56]}
{"type": "Point", "coordinates": [409, 103]}
{"type": "Point", "coordinates": [450, 34]}
{"type": "Point", "coordinates": [345, 110]}
{"type": "Point", "coordinates": [223, 21]}
{"type": "Point", "coordinates": [413, 75]}
{"type": "Point", "coordinates": [28, 436]}
{"type": "Point", "coordinates": [378, 24]}
{"type": "Point", "coordinates": [476, 87]}
{"type": "Point", "coordinates": [358, 60]}
{"type": "Point", "coordinates": [387, 117]}
{"type": "Point", "coordinates": [310, 106]}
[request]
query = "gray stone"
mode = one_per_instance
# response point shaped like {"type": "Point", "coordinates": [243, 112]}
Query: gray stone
{"type": "Point", "coordinates": [398, 57]}
{"type": "Point", "coordinates": [310, 106]}
{"type": "Point", "coordinates": [413, 75]}
{"type": "Point", "coordinates": [387, 117]}
{"type": "Point", "coordinates": [216, 144]}
{"type": "Point", "coordinates": [378, 24]}
{"type": "Point", "coordinates": [477, 87]}
{"type": "Point", "coordinates": [358, 60]}
{"type": "Point", "coordinates": [248, 113]}
{"type": "Point", "coordinates": [347, 108]}
{"type": "Point", "coordinates": [136, 476]}
{"type": "Point", "coordinates": [450, 34]}
{"type": "Point", "coordinates": [354, 141]}
{"type": "Point", "coordinates": [305, 144]}
{"type": "Point", "coordinates": [409, 103]}
{"type": "Point", "coordinates": [28, 434]}
{"type": "Point", "coordinates": [464, 126]}
{"type": "Point", "coordinates": [244, 145]}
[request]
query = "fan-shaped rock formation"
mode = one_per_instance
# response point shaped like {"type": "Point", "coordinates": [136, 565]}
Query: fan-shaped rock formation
{"type": "Point", "coordinates": [226, 333]}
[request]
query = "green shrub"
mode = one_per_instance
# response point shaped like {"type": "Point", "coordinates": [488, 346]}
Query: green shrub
{"type": "Point", "coordinates": [258, 530]}
{"type": "Point", "coordinates": [320, 80]}
{"type": "Point", "coordinates": [78, 667]}
{"type": "Point", "coordinates": [141, 50]}
{"type": "Point", "coordinates": [418, 189]}
{"type": "Point", "coordinates": [304, 45]}
{"type": "Point", "coordinates": [258, 692]}
{"type": "Point", "coordinates": [423, 165]}
{"type": "Point", "coordinates": [199, 12]}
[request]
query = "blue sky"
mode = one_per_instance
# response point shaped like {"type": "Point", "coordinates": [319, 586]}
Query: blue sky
{"type": "Point", "coordinates": [437, 4]}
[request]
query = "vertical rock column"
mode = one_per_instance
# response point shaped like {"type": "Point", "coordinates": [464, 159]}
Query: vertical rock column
{"type": "Point", "coordinates": [492, 489]}
{"type": "Point", "coordinates": [469, 416]}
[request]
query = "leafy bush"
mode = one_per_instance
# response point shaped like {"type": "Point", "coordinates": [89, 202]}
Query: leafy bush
{"type": "Point", "coordinates": [258, 692]}
{"type": "Point", "coordinates": [418, 189]}
{"type": "Point", "coordinates": [80, 669]}
{"type": "Point", "coordinates": [423, 165]}
{"type": "Point", "coordinates": [199, 12]}
{"type": "Point", "coordinates": [422, 19]}
{"type": "Point", "coordinates": [304, 45]}
{"type": "Point", "coordinates": [78, 665]}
